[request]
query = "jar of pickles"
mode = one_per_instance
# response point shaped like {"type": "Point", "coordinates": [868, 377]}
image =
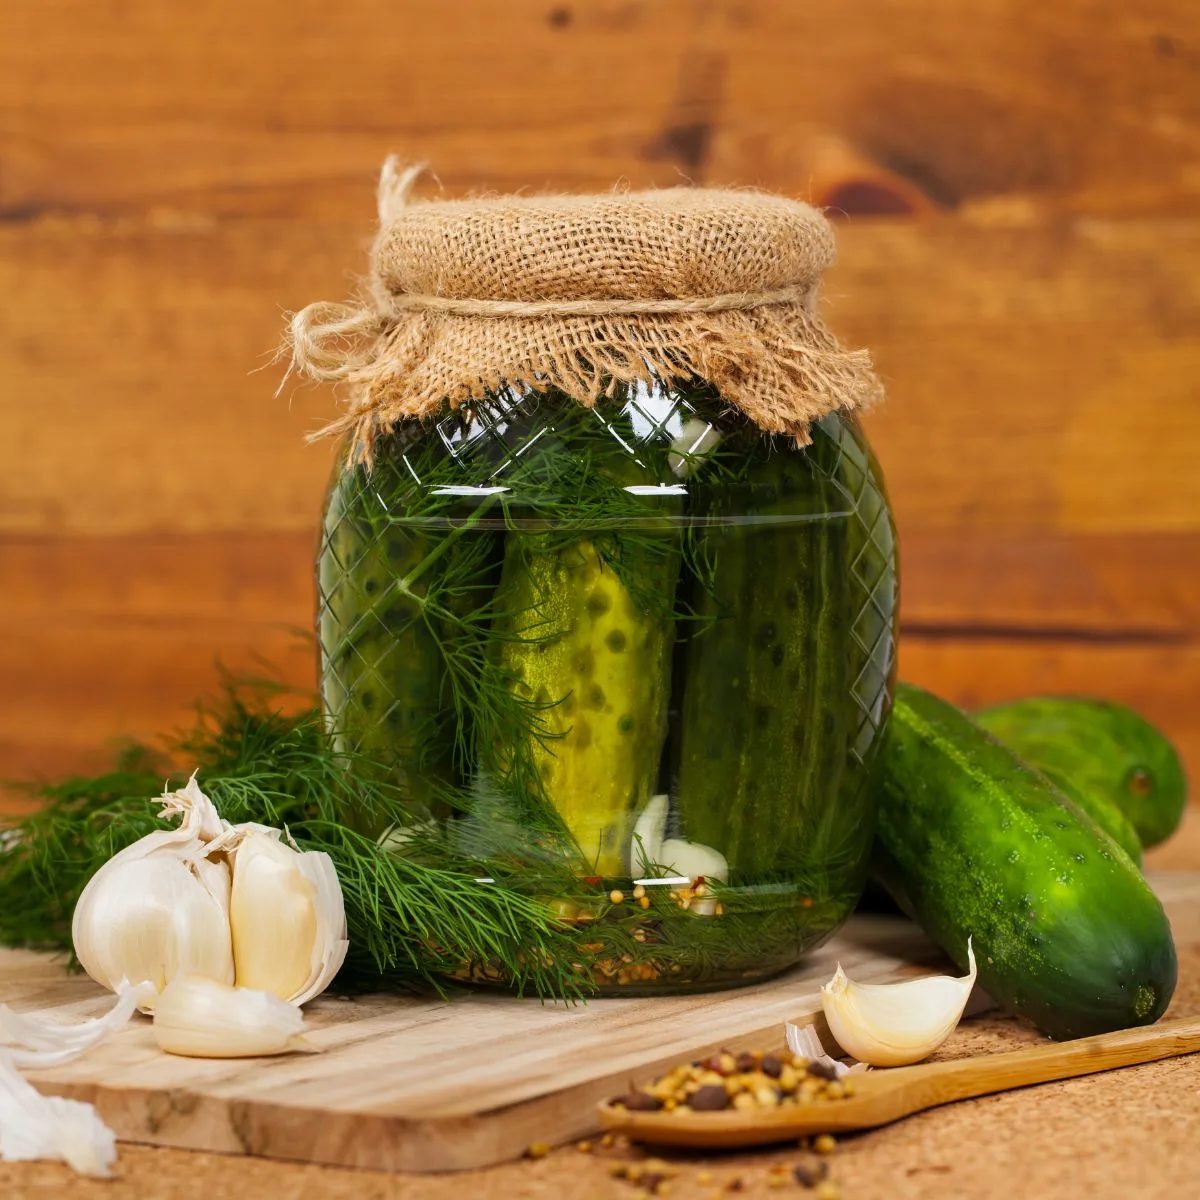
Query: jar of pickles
{"type": "Point", "coordinates": [603, 622]}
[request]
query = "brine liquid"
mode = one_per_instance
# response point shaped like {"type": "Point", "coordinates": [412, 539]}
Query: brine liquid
{"type": "Point", "coordinates": [647, 680]}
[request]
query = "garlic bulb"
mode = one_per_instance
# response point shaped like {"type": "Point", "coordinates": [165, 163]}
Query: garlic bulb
{"type": "Point", "coordinates": [287, 916]}
{"type": "Point", "coordinates": [160, 907]}
{"type": "Point", "coordinates": [894, 1024]}
{"type": "Point", "coordinates": [201, 1018]}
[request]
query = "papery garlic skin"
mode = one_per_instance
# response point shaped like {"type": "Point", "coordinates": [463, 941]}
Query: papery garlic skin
{"type": "Point", "coordinates": [160, 907]}
{"type": "Point", "coordinates": [287, 916]}
{"type": "Point", "coordinates": [200, 1018]}
{"type": "Point", "coordinates": [33, 1126]}
{"type": "Point", "coordinates": [804, 1042]}
{"type": "Point", "coordinates": [895, 1024]}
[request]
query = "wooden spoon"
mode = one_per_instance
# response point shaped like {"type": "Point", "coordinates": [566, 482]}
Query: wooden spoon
{"type": "Point", "coordinates": [880, 1097]}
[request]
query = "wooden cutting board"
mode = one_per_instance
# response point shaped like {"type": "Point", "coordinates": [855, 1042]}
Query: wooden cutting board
{"type": "Point", "coordinates": [422, 1085]}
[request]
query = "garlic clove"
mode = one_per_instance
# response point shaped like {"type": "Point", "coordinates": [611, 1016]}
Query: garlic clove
{"type": "Point", "coordinates": [695, 861]}
{"type": "Point", "coordinates": [691, 446]}
{"type": "Point", "coordinates": [894, 1024]}
{"type": "Point", "coordinates": [200, 1018]}
{"type": "Point", "coordinates": [287, 917]}
{"type": "Point", "coordinates": [159, 906]}
{"type": "Point", "coordinates": [645, 846]}
{"type": "Point", "coordinates": [148, 919]}
{"type": "Point", "coordinates": [330, 949]}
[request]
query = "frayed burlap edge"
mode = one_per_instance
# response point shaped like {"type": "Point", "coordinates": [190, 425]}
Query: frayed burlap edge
{"type": "Point", "coordinates": [402, 356]}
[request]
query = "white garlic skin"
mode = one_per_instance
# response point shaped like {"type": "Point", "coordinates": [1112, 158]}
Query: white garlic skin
{"type": "Point", "coordinates": [200, 1018]}
{"type": "Point", "coordinates": [895, 1024]}
{"type": "Point", "coordinates": [287, 916]}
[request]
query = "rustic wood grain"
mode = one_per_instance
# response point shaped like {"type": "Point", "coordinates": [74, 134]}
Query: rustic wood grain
{"type": "Point", "coordinates": [1019, 189]}
{"type": "Point", "coordinates": [1040, 377]}
{"type": "Point", "coordinates": [289, 107]}
{"type": "Point", "coordinates": [420, 1085]}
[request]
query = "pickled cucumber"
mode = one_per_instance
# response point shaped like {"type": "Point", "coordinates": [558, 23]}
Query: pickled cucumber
{"type": "Point", "coordinates": [594, 667]}
{"type": "Point", "coordinates": [762, 730]}
{"type": "Point", "coordinates": [383, 673]}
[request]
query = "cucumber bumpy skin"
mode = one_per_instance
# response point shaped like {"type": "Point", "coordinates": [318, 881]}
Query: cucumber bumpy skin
{"type": "Point", "coordinates": [972, 842]}
{"type": "Point", "coordinates": [1114, 763]}
{"type": "Point", "coordinates": [382, 672]}
{"type": "Point", "coordinates": [761, 739]}
{"type": "Point", "coordinates": [577, 645]}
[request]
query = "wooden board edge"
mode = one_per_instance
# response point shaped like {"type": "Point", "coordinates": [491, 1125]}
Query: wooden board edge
{"type": "Point", "coordinates": [446, 1142]}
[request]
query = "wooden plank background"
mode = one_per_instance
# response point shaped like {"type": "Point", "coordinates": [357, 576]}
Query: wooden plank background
{"type": "Point", "coordinates": [1018, 190]}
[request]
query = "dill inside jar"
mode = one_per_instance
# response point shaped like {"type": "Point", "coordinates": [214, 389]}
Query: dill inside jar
{"type": "Point", "coordinates": [607, 579]}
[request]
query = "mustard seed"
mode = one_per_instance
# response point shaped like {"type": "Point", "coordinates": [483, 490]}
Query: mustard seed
{"type": "Point", "coordinates": [824, 1143]}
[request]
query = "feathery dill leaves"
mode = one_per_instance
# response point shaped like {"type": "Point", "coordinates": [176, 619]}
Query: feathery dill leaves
{"type": "Point", "coordinates": [412, 919]}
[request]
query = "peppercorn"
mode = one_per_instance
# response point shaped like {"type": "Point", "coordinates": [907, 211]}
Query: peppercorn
{"type": "Point", "coordinates": [809, 1173]}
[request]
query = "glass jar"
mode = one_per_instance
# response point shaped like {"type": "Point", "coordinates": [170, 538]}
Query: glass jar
{"type": "Point", "coordinates": [637, 658]}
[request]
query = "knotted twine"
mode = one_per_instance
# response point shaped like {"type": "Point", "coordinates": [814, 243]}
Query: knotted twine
{"type": "Point", "coordinates": [577, 293]}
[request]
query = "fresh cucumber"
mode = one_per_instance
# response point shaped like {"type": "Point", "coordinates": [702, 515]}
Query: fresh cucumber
{"type": "Point", "coordinates": [973, 843]}
{"type": "Point", "coordinates": [1120, 769]}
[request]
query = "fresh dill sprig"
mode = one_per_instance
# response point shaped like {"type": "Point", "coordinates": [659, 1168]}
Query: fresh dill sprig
{"type": "Point", "coordinates": [412, 919]}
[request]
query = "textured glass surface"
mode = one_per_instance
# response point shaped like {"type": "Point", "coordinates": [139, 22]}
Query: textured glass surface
{"type": "Point", "coordinates": [641, 647]}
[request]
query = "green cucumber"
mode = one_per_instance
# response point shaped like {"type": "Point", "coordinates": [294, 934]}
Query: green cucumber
{"type": "Point", "coordinates": [1120, 769]}
{"type": "Point", "coordinates": [382, 668]}
{"type": "Point", "coordinates": [761, 737]}
{"type": "Point", "coordinates": [594, 666]}
{"type": "Point", "coordinates": [973, 843]}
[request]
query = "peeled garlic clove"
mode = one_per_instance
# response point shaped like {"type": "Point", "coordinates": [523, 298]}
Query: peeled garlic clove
{"type": "Point", "coordinates": [146, 920]}
{"type": "Point", "coordinates": [287, 916]}
{"type": "Point", "coordinates": [201, 1018]}
{"type": "Point", "coordinates": [695, 861]}
{"type": "Point", "coordinates": [894, 1024]}
{"type": "Point", "coordinates": [646, 844]}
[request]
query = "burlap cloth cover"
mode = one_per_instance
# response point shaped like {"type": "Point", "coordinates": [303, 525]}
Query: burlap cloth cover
{"type": "Point", "coordinates": [574, 292]}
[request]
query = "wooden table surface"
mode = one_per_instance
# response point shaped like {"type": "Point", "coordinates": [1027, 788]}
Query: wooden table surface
{"type": "Point", "coordinates": [1127, 1134]}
